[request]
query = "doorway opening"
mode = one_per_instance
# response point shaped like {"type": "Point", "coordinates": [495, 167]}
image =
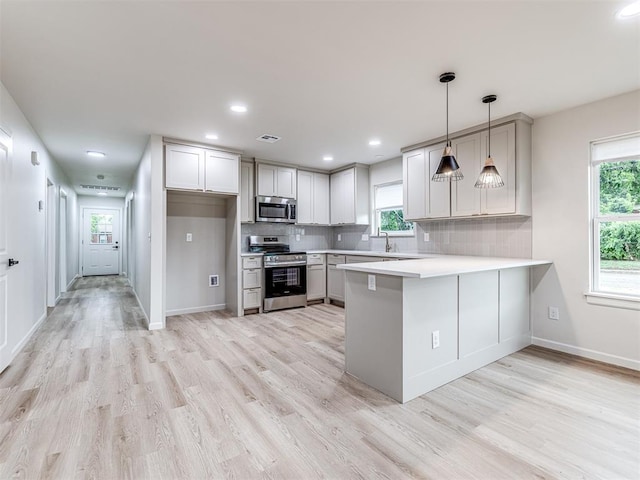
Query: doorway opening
{"type": "Point", "coordinates": [100, 241]}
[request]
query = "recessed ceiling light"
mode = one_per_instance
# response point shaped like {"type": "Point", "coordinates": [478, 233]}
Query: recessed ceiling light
{"type": "Point", "coordinates": [211, 136]}
{"type": "Point", "coordinates": [238, 108]}
{"type": "Point", "coordinates": [379, 156]}
{"type": "Point", "coordinates": [375, 142]}
{"type": "Point", "coordinates": [327, 158]}
{"type": "Point", "coordinates": [102, 194]}
{"type": "Point", "coordinates": [630, 10]}
{"type": "Point", "coordinates": [92, 153]}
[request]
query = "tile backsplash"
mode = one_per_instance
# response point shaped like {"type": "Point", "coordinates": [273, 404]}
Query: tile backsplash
{"type": "Point", "coordinates": [488, 237]}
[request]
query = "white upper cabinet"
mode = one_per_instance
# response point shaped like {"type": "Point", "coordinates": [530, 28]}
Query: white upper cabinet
{"type": "Point", "coordinates": [511, 152]}
{"type": "Point", "coordinates": [194, 168]}
{"type": "Point", "coordinates": [313, 198]}
{"type": "Point", "coordinates": [350, 196]}
{"type": "Point", "coordinates": [503, 151]}
{"type": "Point", "coordinates": [471, 152]}
{"type": "Point", "coordinates": [465, 197]}
{"type": "Point", "coordinates": [184, 167]}
{"type": "Point", "coordinates": [276, 181]}
{"type": "Point", "coordinates": [422, 197]}
{"type": "Point", "coordinates": [221, 172]}
{"type": "Point", "coordinates": [247, 204]}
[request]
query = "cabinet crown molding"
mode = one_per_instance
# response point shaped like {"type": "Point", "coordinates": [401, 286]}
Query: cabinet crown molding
{"type": "Point", "coordinates": [207, 146]}
{"type": "Point", "coordinates": [516, 117]}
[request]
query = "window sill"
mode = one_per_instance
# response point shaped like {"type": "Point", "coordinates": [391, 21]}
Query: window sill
{"type": "Point", "coordinates": [613, 300]}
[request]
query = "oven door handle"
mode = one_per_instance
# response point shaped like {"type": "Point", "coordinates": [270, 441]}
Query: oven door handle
{"type": "Point", "coordinates": [285, 264]}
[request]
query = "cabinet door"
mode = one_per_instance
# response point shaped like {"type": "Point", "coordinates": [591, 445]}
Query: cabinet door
{"type": "Point", "coordinates": [252, 278]}
{"type": "Point", "coordinates": [439, 193]}
{"type": "Point", "coordinates": [316, 282]}
{"type": "Point", "coordinates": [252, 298]}
{"type": "Point", "coordinates": [503, 151]}
{"type": "Point", "coordinates": [247, 203]}
{"type": "Point", "coordinates": [465, 198]}
{"type": "Point", "coordinates": [335, 283]}
{"type": "Point", "coordinates": [267, 180]}
{"type": "Point", "coordinates": [335, 200]}
{"type": "Point", "coordinates": [184, 167]}
{"type": "Point", "coordinates": [415, 182]}
{"type": "Point", "coordinates": [320, 198]}
{"type": "Point", "coordinates": [305, 197]}
{"type": "Point", "coordinates": [221, 172]}
{"type": "Point", "coordinates": [286, 182]}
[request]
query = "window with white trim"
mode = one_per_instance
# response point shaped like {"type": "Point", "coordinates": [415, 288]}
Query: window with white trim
{"type": "Point", "coordinates": [615, 194]}
{"type": "Point", "coordinates": [388, 209]}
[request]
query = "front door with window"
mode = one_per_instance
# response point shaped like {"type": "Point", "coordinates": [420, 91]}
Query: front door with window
{"type": "Point", "coordinates": [101, 242]}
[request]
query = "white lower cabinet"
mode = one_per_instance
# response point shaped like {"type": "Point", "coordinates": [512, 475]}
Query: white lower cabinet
{"type": "Point", "coordinates": [252, 282]}
{"type": "Point", "coordinates": [335, 277]}
{"type": "Point", "coordinates": [316, 282]}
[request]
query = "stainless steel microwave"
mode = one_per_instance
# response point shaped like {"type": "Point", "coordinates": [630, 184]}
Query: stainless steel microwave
{"type": "Point", "coordinates": [275, 209]}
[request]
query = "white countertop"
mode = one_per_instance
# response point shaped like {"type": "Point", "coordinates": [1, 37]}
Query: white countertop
{"type": "Point", "coordinates": [368, 253]}
{"type": "Point", "coordinates": [441, 265]}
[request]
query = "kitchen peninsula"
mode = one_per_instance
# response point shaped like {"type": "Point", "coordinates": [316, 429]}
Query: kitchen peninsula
{"type": "Point", "coordinates": [415, 325]}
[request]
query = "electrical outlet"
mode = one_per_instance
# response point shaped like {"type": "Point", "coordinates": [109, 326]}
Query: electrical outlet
{"type": "Point", "coordinates": [371, 284]}
{"type": "Point", "coordinates": [435, 339]}
{"type": "Point", "coordinates": [339, 237]}
{"type": "Point", "coordinates": [297, 237]}
{"type": "Point", "coordinates": [214, 281]}
{"type": "Point", "coordinates": [189, 237]}
{"type": "Point", "coordinates": [365, 237]}
{"type": "Point", "coordinates": [554, 313]}
{"type": "Point", "coordinates": [426, 236]}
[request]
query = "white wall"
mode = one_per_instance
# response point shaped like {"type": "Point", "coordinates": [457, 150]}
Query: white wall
{"type": "Point", "coordinates": [561, 233]}
{"type": "Point", "coordinates": [148, 202]}
{"type": "Point", "coordinates": [26, 232]}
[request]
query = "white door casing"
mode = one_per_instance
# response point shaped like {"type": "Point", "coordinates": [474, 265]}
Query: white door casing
{"type": "Point", "coordinates": [5, 348]}
{"type": "Point", "coordinates": [100, 241]}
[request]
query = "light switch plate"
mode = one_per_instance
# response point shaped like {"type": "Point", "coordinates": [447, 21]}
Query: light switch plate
{"type": "Point", "coordinates": [426, 236]}
{"type": "Point", "coordinates": [365, 237]}
{"type": "Point", "coordinates": [339, 237]}
{"type": "Point", "coordinates": [189, 237]}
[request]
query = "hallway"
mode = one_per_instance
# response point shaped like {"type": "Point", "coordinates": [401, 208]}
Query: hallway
{"type": "Point", "coordinates": [95, 394]}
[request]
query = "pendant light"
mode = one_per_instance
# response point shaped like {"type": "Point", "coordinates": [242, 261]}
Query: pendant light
{"type": "Point", "coordinates": [489, 176]}
{"type": "Point", "coordinates": [448, 169]}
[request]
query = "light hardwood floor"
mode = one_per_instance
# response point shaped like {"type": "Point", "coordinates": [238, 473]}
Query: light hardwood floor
{"type": "Point", "coordinates": [96, 395]}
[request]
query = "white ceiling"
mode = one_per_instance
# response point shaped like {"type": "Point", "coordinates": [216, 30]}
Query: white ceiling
{"type": "Point", "coordinates": [325, 76]}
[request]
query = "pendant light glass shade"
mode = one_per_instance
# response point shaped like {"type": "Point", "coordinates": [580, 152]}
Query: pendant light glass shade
{"type": "Point", "coordinates": [489, 176]}
{"type": "Point", "coordinates": [448, 169]}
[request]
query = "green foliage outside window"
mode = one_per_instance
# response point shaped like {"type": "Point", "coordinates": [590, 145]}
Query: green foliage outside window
{"type": "Point", "coordinates": [393, 221]}
{"type": "Point", "coordinates": [620, 195]}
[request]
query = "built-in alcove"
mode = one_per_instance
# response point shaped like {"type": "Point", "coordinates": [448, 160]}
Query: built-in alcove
{"type": "Point", "coordinates": [201, 241]}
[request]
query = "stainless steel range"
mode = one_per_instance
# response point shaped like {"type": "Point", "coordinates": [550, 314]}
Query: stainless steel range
{"type": "Point", "coordinates": [285, 273]}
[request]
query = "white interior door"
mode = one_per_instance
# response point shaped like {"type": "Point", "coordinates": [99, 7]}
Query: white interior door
{"type": "Point", "coordinates": [4, 252]}
{"type": "Point", "coordinates": [101, 241]}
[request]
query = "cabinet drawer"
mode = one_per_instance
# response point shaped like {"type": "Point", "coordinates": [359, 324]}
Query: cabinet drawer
{"type": "Point", "coordinates": [252, 298]}
{"type": "Point", "coordinates": [252, 262]}
{"type": "Point", "coordinates": [362, 259]}
{"type": "Point", "coordinates": [252, 278]}
{"type": "Point", "coordinates": [315, 259]}
{"type": "Point", "coordinates": [335, 259]}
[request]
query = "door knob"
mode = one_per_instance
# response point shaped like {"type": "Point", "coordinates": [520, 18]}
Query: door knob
{"type": "Point", "coordinates": [13, 262]}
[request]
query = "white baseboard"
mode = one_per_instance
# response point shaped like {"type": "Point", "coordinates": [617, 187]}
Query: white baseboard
{"type": "Point", "coordinates": [16, 350]}
{"type": "Point", "coordinates": [587, 353]}
{"type": "Point", "coordinates": [73, 280]}
{"type": "Point", "coordinates": [206, 308]}
{"type": "Point", "coordinates": [156, 326]}
{"type": "Point", "coordinates": [146, 319]}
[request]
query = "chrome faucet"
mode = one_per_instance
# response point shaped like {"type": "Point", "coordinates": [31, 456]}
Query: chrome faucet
{"type": "Point", "coordinates": [387, 245]}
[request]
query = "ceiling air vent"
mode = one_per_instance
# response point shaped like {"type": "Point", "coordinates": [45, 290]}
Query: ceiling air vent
{"type": "Point", "coordinates": [101, 187]}
{"type": "Point", "coordinates": [268, 138]}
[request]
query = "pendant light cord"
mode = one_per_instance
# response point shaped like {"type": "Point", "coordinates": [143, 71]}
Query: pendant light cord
{"type": "Point", "coordinates": [448, 142]}
{"type": "Point", "coordinates": [489, 121]}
